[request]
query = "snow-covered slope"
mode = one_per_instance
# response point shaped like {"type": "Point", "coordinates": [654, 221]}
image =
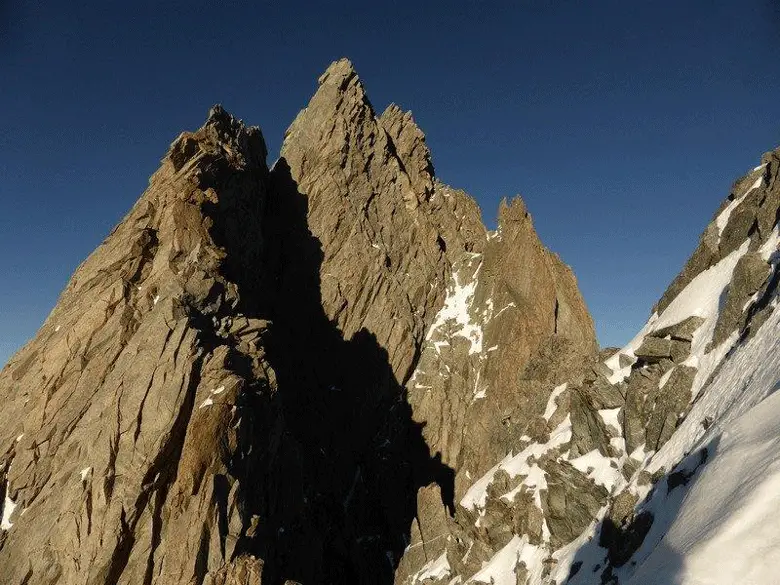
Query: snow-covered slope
{"type": "Point", "coordinates": [664, 466]}
{"type": "Point", "coordinates": [721, 527]}
{"type": "Point", "coordinates": [713, 513]}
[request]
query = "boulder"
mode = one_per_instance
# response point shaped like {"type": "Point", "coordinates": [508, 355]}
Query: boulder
{"type": "Point", "coordinates": [682, 331]}
{"type": "Point", "coordinates": [640, 384]}
{"type": "Point", "coordinates": [749, 274]}
{"type": "Point", "coordinates": [570, 503]}
{"type": "Point", "coordinates": [587, 428]}
{"type": "Point", "coordinates": [655, 349]}
{"type": "Point", "coordinates": [601, 394]}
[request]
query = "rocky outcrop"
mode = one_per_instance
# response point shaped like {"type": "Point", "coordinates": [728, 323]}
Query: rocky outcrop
{"type": "Point", "coordinates": [511, 313]}
{"type": "Point", "coordinates": [137, 420]}
{"type": "Point", "coordinates": [750, 273]}
{"type": "Point", "coordinates": [749, 212]}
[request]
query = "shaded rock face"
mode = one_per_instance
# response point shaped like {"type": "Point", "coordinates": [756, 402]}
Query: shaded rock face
{"type": "Point", "coordinates": [286, 375]}
{"type": "Point", "coordinates": [353, 252]}
{"type": "Point", "coordinates": [570, 502]}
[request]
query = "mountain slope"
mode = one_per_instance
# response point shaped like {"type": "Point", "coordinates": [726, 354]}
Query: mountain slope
{"type": "Point", "coordinates": [680, 465]}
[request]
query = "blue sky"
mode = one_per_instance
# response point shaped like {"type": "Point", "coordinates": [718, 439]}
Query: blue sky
{"type": "Point", "coordinates": [622, 124]}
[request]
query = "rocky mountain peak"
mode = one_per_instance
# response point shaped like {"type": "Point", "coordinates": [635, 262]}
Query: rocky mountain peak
{"type": "Point", "coordinates": [339, 74]}
{"type": "Point", "coordinates": [512, 211]}
{"type": "Point", "coordinates": [332, 372]}
{"type": "Point", "coordinates": [221, 135]}
{"type": "Point", "coordinates": [133, 409]}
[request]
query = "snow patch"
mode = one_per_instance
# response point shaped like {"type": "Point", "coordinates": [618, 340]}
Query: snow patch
{"type": "Point", "coordinates": [769, 247]}
{"type": "Point", "coordinates": [600, 469]}
{"type": "Point", "coordinates": [552, 404]}
{"type": "Point", "coordinates": [611, 417]}
{"type": "Point", "coordinates": [479, 392]}
{"type": "Point", "coordinates": [8, 509]}
{"type": "Point", "coordinates": [456, 312]}
{"type": "Point", "coordinates": [438, 568]}
{"type": "Point", "coordinates": [701, 297]}
{"type": "Point", "coordinates": [515, 465]}
{"type": "Point", "coordinates": [500, 570]}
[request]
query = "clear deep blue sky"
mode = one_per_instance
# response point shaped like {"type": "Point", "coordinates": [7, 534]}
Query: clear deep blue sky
{"type": "Point", "coordinates": [623, 124]}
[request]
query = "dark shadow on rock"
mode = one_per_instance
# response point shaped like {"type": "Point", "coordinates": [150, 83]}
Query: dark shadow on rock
{"type": "Point", "coordinates": [351, 457]}
{"type": "Point", "coordinates": [600, 560]}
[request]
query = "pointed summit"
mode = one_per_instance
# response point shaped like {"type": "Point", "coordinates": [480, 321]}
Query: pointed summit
{"type": "Point", "coordinates": [364, 193]}
{"type": "Point", "coordinates": [222, 135]}
{"type": "Point", "coordinates": [339, 104]}
{"type": "Point", "coordinates": [338, 73]}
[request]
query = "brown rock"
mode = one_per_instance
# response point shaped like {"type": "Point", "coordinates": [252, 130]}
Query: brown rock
{"type": "Point", "coordinates": [666, 406]}
{"type": "Point", "coordinates": [570, 502]}
{"type": "Point", "coordinates": [654, 349]}
{"type": "Point", "coordinates": [125, 416]}
{"type": "Point", "coordinates": [588, 430]}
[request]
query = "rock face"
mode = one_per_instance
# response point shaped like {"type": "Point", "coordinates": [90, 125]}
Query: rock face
{"type": "Point", "coordinates": [407, 273]}
{"type": "Point", "coordinates": [229, 389]}
{"type": "Point", "coordinates": [140, 426]}
{"type": "Point", "coordinates": [331, 372]}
